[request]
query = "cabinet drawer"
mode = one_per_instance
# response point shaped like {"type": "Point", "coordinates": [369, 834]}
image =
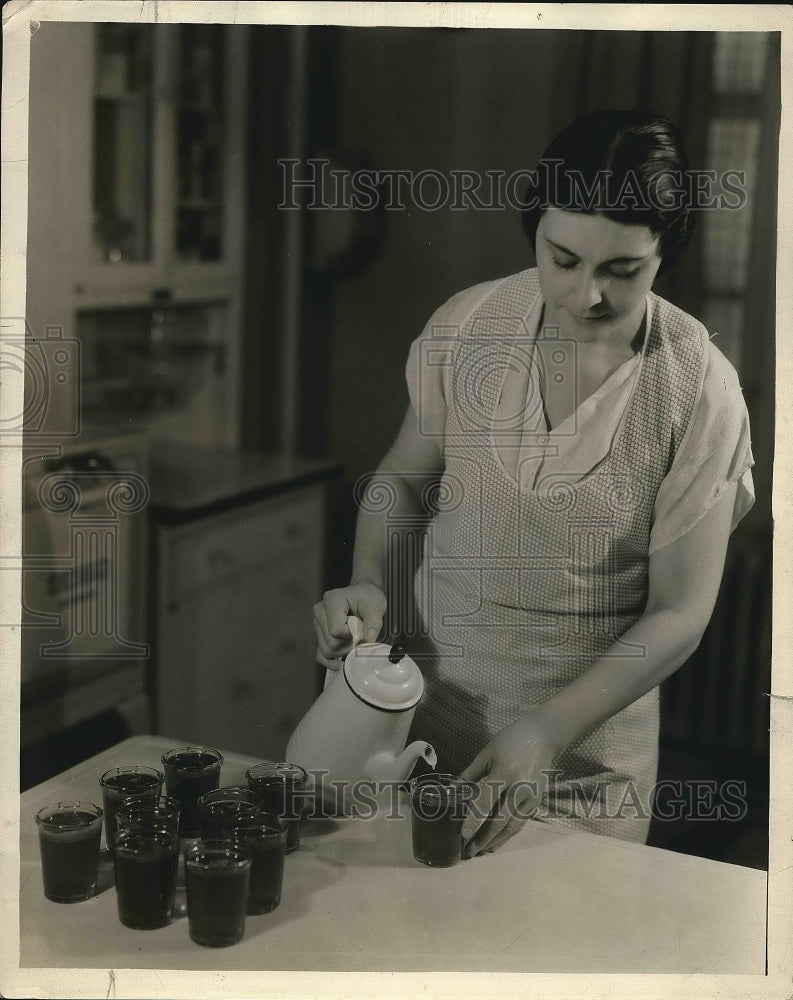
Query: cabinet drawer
{"type": "Point", "coordinates": [237, 667]}
{"type": "Point", "coordinates": [285, 532]}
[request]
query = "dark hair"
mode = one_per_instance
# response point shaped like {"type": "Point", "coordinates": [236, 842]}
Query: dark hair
{"type": "Point", "coordinates": [630, 166]}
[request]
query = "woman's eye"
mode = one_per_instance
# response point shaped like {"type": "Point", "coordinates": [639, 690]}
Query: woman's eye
{"type": "Point", "coordinates": [566, 265]}
{"type": "Point", "coordinates": [625, 274]}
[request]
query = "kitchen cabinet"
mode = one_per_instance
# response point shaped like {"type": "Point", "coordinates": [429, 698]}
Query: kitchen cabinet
{"type": "Point", "coordinates": [84, 632]}
{"type": "Point", "coordinates": [239, 569]}
{"type": "Point", "coordinates": [135, 236]}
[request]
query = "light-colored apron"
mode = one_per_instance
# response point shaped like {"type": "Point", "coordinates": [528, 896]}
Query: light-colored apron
{"type": "Point", "coordinates": [521, 589]}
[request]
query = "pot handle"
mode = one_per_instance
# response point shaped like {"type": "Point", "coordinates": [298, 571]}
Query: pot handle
{"type": "Point", "coordinates": [355, 626]}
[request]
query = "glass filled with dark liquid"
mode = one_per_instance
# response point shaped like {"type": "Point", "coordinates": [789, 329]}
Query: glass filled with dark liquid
{"type": "Point", "coordinates": [145, 862]}
{"type": "Point", "coordinates": [147, 812]}
{"type": "Point", "coordinates": [265, 841]}
{"type": "Point", "coordinates": [217, 876]}
{"type": "Point", "coordinates": [280, 788]}
{"type": "Point", "coordinates": [191, 772]}
{"type": "Point", "coordinates": [69, 834]}
{"type": "Point", "coordinates": [438, 805]}
{"type": "Point", "coordinates": [120, 783]}
{"type": "Point", "coordinates": [224, 809]}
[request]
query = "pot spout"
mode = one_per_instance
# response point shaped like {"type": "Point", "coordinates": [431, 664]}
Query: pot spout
{"type": "Point", "coordinates": [411, 753]}
{"type": "Point", "coordinates": [389, 767]}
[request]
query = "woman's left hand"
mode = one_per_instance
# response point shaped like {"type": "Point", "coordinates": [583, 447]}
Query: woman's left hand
{"type": "Point", "coordinates": [509, 771]}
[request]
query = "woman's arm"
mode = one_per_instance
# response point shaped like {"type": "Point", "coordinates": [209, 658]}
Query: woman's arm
{"type": "Point", "coordinates": [684, 580]}
{"type": "Point", "coordinates": [413, 461]}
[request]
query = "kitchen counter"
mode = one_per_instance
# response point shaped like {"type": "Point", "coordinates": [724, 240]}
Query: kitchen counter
{"type": "Point", "coordinates": [354, 899]}
{"type": "Point", "coordinates": [193, 481]}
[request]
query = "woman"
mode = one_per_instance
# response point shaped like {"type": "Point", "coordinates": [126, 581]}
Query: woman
{"type": "Point", "coordinates": [593, 451]}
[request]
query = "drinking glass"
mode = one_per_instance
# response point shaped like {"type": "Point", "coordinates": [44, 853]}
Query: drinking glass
{"type": "Point", "coordinates": [279, 787]}
{"type": "Point", "coordinates": [118, 784]}
{"type": "Point", "coordinates": [439, 804]}
{"type": "Point", "coordinates": [145, 862]}
{"type": "Point", "coordinates": [265, 841]}
{"type": "Point", "coordinates": [191, 772]}
{"type": "Point", "coordinates": [217, 875]}
{"type": "Point", "coordinates": [69, 834]}
{"type": "Point", "coordinates": [223, 809]}
{"type": "Point", "coordinates": [147, 813]}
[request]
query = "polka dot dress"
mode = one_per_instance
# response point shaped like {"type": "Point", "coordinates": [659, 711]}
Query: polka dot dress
{"type": "Point", "coordinates": [520, 590]}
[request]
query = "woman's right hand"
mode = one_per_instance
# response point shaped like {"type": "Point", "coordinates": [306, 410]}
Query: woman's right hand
{"type": "Point", "coordinates": [334, 639]}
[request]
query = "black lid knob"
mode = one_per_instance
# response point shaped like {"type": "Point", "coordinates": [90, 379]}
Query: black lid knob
{"type": "Point", "coordinates": [396, 654]}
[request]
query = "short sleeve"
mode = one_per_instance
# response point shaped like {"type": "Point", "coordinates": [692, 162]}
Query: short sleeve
{"type": "Point", "coordinates": [715, 453]}
{"type": "Point", "coordinates": [430, 357]}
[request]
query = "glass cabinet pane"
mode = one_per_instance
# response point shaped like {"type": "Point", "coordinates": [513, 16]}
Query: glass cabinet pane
{"type": "Point", "coordinates": [122, 142]}
{"type": "Point", "coordinates": [161, 370]}
{"type": "Point", "coordinates": [200, 97]}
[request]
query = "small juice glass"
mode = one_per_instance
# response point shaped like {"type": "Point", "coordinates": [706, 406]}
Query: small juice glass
{"type": "Point", "coordinates": [69, 834]}
{"type": "Point", "coordinates": [279, 787]}
{"type": "Point", "coordinates": [217, 875]}
{"type": "Point", "coordinates": [439, 803]}
{"type": "Point", "coordinates": [191, 772]}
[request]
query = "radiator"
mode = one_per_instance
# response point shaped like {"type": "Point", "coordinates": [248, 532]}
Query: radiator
{"type": "Point", "coordinates": [719, 698]}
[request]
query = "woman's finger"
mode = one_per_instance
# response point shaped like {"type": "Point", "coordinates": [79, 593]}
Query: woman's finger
{"type": "Point", "coordinates": [513, 805]}
{"type": "Point", "coordinates": [480, 808]}
{"type": "Point", "coordinates": [331, 646]}
{"type": "Point", "coordinates": [322, 642]}
{"type": "Point", "coordinates": [487, 831]}
{"type": "Point", "coordinates": [481, 804]}
{"type": "Point", "coordinates": [514, 810]}
{"type": "Point", "coordinates": [325, 656]}
{"type": "Point", "coordinates": [497, 839]}
{"type": "Point", "coordinates": [478, 767]}
{"type": "Point", "coordinates": [337, 610]}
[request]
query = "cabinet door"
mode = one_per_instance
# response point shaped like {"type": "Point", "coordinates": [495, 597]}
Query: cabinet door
{"type": "Point", "coordinates": [235, 651]}
{"type": "Point", "coordinates": [119, 191]}
{"type": "Point", "coordinates": [206, 160]}
{"type": "Point", "coordinates": [138, 145]}
{"type": "Point", "coordinates": [137, 154]}
{"type": "Point", "coordinates": [243, 670]}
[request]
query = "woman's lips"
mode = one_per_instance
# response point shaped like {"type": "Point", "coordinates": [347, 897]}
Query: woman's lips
{"type": "Point", "coordinates": [593, 319]}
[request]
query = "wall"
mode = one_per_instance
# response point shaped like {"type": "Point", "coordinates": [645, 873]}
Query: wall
{"type": "Point", "coordinates": [416, 100]}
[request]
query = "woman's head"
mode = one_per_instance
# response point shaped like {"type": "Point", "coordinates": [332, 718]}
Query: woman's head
{"type": "Point", "coordinates": [628, 166]}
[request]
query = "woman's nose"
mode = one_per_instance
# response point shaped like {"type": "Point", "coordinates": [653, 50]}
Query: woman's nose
{"type": "Point", "coordinates": [589, 294]}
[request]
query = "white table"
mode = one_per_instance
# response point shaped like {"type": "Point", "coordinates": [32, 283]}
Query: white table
{"type": "Point", "coordinates": [354, 899]}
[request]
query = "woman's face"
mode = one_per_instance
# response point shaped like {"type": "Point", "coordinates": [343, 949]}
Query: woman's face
{"type": "Point", "coordinates": [594, 273]}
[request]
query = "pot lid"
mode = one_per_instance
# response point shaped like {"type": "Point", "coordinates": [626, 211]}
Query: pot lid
{"type": "Point", "coordinates": [379, 681]}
